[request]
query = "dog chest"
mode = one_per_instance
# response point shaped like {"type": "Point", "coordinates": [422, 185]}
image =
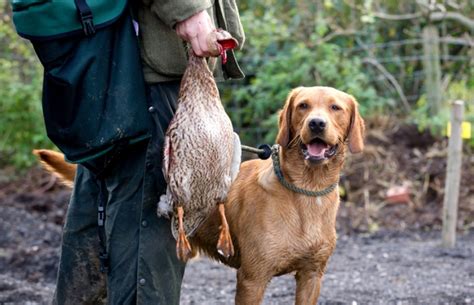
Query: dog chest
{"type": "Point", "coordinates": [294, 229]}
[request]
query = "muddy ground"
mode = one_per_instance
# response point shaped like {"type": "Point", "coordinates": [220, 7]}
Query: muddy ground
{"type": "Point", "coordinates": [387, 253]}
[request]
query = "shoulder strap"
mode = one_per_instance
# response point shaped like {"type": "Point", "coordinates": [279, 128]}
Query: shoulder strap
{"type": "Point", "coordinates": [85, 16]}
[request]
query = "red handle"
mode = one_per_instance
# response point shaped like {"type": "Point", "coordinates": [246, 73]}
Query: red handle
{"type": "Point", "coordinates": [224, 45]}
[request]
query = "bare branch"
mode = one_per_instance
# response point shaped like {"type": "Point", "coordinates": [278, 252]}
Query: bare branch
{"type": "Point", "coordinates": [433, 16]}
{"type": "Point", "coordinates": [466, 21]}
{"type": "Point", "coordinates": [371, 60]}
{"type": "Point", "coordinates": [335, 34]}
{"type": "Point", "coordinates": [391, 79]}
{"type": "Point", "coordinates": [402, 17]}
{"type": "Point", "coordinates": [458, 41]}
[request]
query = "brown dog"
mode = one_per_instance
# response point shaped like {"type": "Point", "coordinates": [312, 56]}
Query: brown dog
{"type": "Point", "coordinates": [276, 230]}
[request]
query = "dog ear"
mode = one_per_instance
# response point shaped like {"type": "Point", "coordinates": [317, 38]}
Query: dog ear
{"type": "Point", "coordinates": [356, 129]}
{"type": "Point", "coordinates": [284, 131]}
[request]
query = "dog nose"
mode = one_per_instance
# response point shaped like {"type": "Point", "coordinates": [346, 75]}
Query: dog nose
{"type": "Point", "coordinates": [317, 125]}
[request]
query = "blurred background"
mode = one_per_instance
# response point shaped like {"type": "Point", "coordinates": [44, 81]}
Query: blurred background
{"type": "Point", "coordinates": [404, 61]}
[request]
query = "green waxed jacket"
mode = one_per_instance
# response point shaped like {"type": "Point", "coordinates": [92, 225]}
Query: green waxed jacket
{"type": "Point", "coordinates": [163, 52]}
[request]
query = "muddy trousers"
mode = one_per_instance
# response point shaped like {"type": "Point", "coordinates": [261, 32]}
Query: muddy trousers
{"type": "Point", "coordinates": [143, 264]}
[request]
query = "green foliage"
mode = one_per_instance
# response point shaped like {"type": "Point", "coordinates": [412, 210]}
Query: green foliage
{"type": "Point", "coordinates": [292, 43]}
{"type": "Point", "coordinates": [289, 43]}
{"type": "Point", "coordinates": [458, 90]}
{"type": "Point", "coordinates": [277, 58]}
{"type": "Point", "coordinates": [21, 122]}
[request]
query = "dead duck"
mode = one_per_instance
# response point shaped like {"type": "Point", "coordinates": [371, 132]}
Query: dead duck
{"type": "Point", "coordinates": [201, 153]}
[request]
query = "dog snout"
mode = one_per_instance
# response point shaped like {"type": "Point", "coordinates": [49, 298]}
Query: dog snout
{"type": "Point", "coordinates": [317, 125]}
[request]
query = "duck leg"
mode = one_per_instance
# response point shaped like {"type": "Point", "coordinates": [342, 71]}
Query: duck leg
{"type": "Point", "coordinates": [183, 248]}
{"type": "Point", "coordinates": [224, 244]}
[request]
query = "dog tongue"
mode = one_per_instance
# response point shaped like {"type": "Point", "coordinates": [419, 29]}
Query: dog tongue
{"type": "Point", "coordinates": [317, 149]}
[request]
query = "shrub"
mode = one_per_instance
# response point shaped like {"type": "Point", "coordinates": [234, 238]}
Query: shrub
{"type": "Point", "coordinates": [21, 121]}
{"type": "Point", "coordinates": [457, 90]}
{"type": "Point", "coordinates": [276, 59]}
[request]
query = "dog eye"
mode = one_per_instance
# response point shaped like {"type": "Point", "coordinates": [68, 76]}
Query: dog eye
{"type": "Point", "coordinates": [303, 106]}
{"type": "Point", "coordinates": [335, 107]}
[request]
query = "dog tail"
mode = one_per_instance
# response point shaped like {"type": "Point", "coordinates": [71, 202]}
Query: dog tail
{"type": "Point", "coordinates": [55, 163]}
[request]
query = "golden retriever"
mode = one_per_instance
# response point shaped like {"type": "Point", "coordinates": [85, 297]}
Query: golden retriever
{"type": "Point", "coordinates": [276, 230]}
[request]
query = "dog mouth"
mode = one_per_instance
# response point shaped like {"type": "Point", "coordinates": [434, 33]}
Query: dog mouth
{"type": "Point", "coordinates": [318, 150]}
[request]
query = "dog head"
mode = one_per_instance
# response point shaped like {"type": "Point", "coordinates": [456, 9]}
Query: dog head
{"type": "Point", "coordinates": [318, 121]}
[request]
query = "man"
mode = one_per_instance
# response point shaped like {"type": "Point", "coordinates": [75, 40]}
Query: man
{"type": "Point", "coordinates": [143, 265]}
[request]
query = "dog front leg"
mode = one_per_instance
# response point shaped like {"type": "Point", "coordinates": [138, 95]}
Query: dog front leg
{"type": "Point", "coordinates": [250, 290]}
{"type": "Point", "coordinates": [308, 286]}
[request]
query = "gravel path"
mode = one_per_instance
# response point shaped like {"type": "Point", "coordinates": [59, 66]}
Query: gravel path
{"type": "Point", "coordinates": [389, 267]}
{"type": "Point", "coordinates": [386, 268]}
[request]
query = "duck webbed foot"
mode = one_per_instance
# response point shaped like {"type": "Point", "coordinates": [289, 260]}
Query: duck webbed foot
{"type": "Point", "coordinates": [183, 248]}
{"type": "Point", "coordinates": [224, 244]}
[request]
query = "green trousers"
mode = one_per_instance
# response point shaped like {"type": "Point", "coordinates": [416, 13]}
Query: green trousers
{"type": "Point", "coordinates": [144, 268]}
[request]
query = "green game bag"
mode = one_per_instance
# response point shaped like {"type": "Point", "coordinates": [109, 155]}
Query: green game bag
{"type": "Point", "coordinates": [94, 98]}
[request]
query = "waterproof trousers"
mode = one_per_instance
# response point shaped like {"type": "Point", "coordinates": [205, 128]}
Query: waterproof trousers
{"type": "Point", "coordinates": [144, 268]}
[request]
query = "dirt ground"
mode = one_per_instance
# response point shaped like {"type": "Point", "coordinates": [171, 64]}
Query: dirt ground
{"type": "Point", "coordinates": [384, 268]}
{"type": "Point", "coordinates": [388, 267]}
{"type": "Point", "coordinates": [387, 253]}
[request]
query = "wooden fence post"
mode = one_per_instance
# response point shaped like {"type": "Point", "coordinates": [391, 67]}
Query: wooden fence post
{"type": "Point", "coordinates": [453, 176]}
{"type": "Point", "coordinates": [432, 69]}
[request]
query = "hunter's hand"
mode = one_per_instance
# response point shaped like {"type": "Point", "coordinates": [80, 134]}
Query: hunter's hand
{"type": "Point", "coordinates": [196, 30]}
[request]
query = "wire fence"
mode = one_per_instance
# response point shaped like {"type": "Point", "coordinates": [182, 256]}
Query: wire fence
{"type": "Point", "coordinates": [394, 57]}
{"type": "Point", "coordinates": [413, 82]}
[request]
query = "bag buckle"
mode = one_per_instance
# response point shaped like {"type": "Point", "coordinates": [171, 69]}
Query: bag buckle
{"type": "Point", "coordinates": [85, 14]}
{"type": "Point", "coordinates": [104, 262]}
{"type": "Point", "coordinates": [87, 22]}
{"type": "Point", "coordinates": [101, 216]}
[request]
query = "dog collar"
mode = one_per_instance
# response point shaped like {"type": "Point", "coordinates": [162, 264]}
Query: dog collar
{"type": "Point", "coordinates": [292, 187]}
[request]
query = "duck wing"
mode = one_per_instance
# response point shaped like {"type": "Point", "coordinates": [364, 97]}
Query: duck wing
{"type": "Point", "coordinates": [236, 158]}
